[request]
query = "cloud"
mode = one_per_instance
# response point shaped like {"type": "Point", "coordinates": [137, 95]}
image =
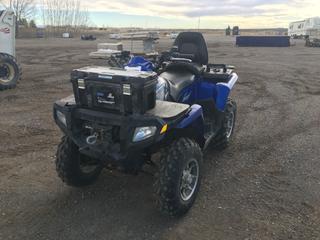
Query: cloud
{"type": "Point", "coordinates": [186, 8]}
{"type": "Point", "coordinates": [264, 13]}
{"type": "Point", "coordinates": [232, 8]}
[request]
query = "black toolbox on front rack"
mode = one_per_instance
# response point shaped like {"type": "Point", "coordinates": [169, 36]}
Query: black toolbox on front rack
{"type": "Point", "coordinates": [113, 89]}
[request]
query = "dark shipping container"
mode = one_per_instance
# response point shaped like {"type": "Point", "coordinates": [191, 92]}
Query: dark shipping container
{"type": "Point", "coordinates": [263, 41]}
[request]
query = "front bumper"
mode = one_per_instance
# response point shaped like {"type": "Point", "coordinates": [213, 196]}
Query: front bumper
{"type": "Point", "coordinates": [75, 118]}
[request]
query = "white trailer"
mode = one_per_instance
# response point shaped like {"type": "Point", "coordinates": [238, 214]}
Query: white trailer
{"type": "Point", "coordinates": [10, 72]}
{"type": "Point", "coordinates": [7, 35]}
{"type": "Point", "coordinates": [296, 29]}
{"type": "Point", "coordinates": [300, 29]}
{"type": "Point", "coordinates": [313, 39]}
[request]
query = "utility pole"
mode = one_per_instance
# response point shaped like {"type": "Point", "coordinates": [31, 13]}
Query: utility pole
{"type": "Point", "coordinates": [199, 20]}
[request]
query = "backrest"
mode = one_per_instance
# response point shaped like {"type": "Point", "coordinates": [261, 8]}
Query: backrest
{"type": "Point", "coordinates": [193, 43]}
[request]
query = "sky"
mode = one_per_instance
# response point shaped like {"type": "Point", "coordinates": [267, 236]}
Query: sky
{"type": "Point", "coordinates": [187, 14]}
{"type": "Point", "coordinates": [212, 13]}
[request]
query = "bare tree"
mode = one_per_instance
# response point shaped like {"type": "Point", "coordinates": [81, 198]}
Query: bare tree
{"type": "Point", "coordinates": [64, 15]}
{"type": "Point", "coordinates": [2, 4]}
{"type": "Point", "coordinates": [23, 9]}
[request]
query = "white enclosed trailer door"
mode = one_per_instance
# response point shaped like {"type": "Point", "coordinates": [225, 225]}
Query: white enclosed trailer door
{"type": "Point", "coordinates": [297, 29]}
{"type": "Point", "coordinates": [7, 32]}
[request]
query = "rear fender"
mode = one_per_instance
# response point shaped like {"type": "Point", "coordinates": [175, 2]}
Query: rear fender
{"type": "Point", "coordinates": [223, 91]}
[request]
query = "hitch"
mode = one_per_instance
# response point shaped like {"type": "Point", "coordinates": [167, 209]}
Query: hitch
{"type": "Point", "coordinates": [92, 140]}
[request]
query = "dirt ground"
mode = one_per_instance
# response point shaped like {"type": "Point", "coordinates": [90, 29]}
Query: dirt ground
{"type": "Point", "coordinates": [265, 186]}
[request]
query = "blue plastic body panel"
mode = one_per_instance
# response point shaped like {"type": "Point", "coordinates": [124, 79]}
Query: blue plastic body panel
{"type": "Point", "coordinates": [194, 114]}
{"type": "Point", "coordinates": [202, 90]}
{"type": "Point", "coordinates": [222, 96]}
{"type": "Point", "coordinates": [194, 120]}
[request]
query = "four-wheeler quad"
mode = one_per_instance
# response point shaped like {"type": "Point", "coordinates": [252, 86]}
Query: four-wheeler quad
{"type": "Point", "coordinates": [121, 117]}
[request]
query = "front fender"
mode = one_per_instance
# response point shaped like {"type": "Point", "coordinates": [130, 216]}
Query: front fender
{"type": "Point", "coordinates": [195, 113]}
{"type": "Point", "coordinates": [192, 125]}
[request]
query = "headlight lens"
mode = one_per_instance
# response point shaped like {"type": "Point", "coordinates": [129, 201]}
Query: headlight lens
{"type": "Point", "coordinates": [61, 117]}
{"type": "Point", "coordinates": [143, 133]}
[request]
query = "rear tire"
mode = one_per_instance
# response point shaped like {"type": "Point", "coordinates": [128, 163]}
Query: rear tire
{"type": "Point", "coordinates": [226, 132]}
{"type": "Point", "coordinates": [70, 165]}
{"type": "Point", "coordinates": [176, 187]}
{"type": "Point", "coordinates": [10, 71]}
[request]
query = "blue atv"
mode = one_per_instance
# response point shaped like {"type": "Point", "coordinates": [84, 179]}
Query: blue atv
{"type": "Point", "coordinates": [119, 118]}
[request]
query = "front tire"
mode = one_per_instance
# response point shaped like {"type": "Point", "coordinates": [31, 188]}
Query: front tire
{"type": "Point", "coordinates": [179, 177]}
{"type": "Point", "coordinates": [74, 168]}
{"type": "Point", "coordinates": [10, 71]}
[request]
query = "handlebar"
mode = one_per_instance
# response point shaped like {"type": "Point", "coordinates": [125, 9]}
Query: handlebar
{"type": "Point", "coordinates": [183, 55]}
{"type": "Point", "coordinates": [181, 60]}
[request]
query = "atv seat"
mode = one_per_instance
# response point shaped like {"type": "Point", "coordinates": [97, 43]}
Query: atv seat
{"type": "Point", "coordinates": [179, 72]}
{"type": "Point", "coordinates": [178, 80]}
{"type": "Point", "coordinates": [180, 75]}
{"type": "Point", "coordinates": [193, 44]}
{"type": "Point", "coordinates": [180, 66]}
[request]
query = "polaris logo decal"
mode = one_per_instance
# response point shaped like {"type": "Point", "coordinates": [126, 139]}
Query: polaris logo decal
{"type": "Point", "coordinates": [5, 30]}
{"type": "Point", "coordinates": [105, 98]}
{"type": "Point", "coordinates": [105, 77]}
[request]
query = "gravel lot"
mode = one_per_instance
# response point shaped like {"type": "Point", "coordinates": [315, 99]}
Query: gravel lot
{"type": "Point", "coordinates": [265, 186]}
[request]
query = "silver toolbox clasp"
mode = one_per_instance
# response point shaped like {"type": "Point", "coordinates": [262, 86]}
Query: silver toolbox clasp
{"type": "Point", "coordinates": [126, 89]}
{"type": "Point", "coordinates": [81, 84]}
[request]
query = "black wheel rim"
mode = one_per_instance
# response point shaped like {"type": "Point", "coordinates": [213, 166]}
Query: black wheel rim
{"type": "Point", "coordinates": [6, 72]}
{"type": "Point", "coordinates": [189, 179]}
{"type": "Point", "coordinates": [230, 124]}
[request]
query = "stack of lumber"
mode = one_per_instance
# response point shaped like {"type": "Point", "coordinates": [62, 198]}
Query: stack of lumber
{"type": "Point", "coordinates": [103, 53]}
{"type": "Point", "coordinates": [111, 46]}
{"type": "Point", "coordinates": [138, 43]}
{"type": "Point", "coordinates": [105, 50]}
{"type": "Point", "coordinates": [138, 46]}
{"type": "Point", "coordinates": [140, 36]}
